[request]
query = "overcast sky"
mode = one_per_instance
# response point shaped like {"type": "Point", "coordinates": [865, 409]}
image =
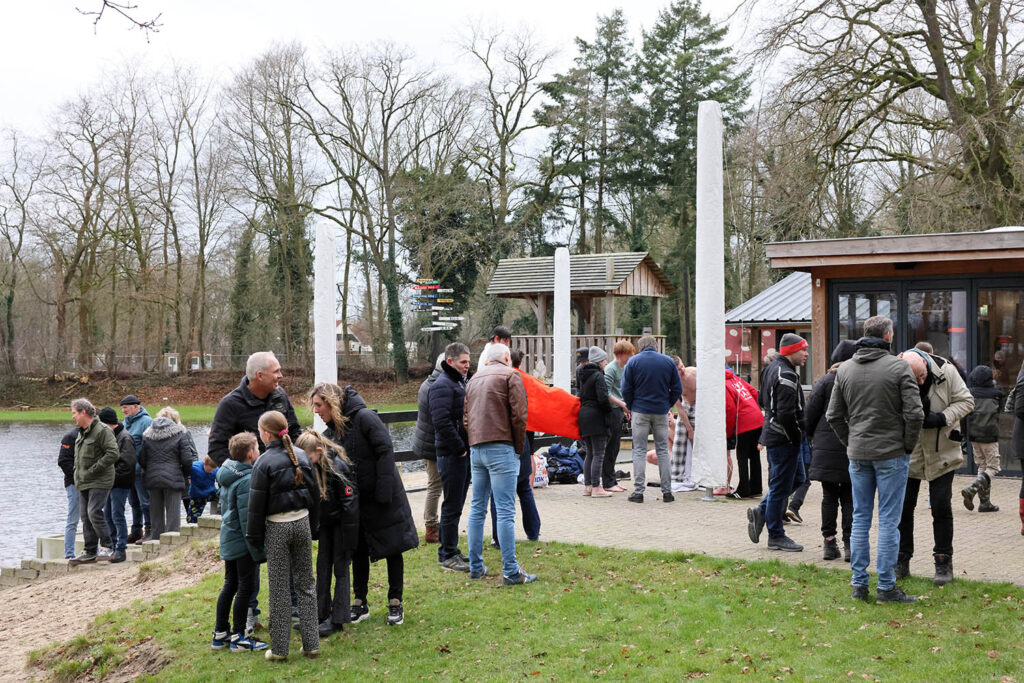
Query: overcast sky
{"type": "Point", "coordinates": [50, 52]}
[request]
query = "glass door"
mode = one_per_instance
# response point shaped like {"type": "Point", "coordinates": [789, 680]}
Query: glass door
{"type": "Point", "coordinates": [1001, 347]}
{"type": "Point", "coordinates": [939, 317]}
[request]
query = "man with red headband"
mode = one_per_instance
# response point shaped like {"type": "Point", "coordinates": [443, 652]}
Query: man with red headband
{"type": "Point", "coordinates": [783, 400]}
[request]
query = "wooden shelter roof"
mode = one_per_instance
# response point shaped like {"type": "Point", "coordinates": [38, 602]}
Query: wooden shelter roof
{"type": "Point", "coordinates": [631, 274]}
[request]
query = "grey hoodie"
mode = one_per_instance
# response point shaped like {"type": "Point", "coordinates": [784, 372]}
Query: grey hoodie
{"type": "Point", "coordinates": [875, 407]}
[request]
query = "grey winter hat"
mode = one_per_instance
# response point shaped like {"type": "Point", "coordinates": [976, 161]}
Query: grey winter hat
{"type": "Point", "coordinates": [597, 354]}
{"type": "Point", "coordinates": [791, 343]}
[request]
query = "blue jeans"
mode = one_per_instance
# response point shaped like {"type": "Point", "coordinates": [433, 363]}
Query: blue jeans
{"type": "Point", "coordinates": [113, 512]}
{"type": "Point", "coordinates": [785, 474]}
{"type": "Point", "coordinates": [71, 526]}
{"type": "Point", "coordinates": [142, 493]}
{"type": "Point", "coordinates": [495, 469]}
{"type": "Point", "coordinates": [889, 478]}
{"type": "Point", "coordinates": [527, 503]}
{"type": "Point", "coordinates": [454, 471]}
{"type": "Point", "coordinates": [644, 424]}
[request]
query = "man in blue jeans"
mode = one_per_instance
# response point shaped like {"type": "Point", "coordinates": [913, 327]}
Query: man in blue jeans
{"type": "Point", "coordinates": [495, 420]}
{"type": "Point", "coordinates": [782, 436]}
{"type": "Point", "coordinates": [650, 387]}
{"type": "Point", "coordinates": [876, 411]}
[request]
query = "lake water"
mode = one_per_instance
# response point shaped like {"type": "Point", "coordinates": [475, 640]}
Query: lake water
{"type": "Point", "coordinates": [32, 498]}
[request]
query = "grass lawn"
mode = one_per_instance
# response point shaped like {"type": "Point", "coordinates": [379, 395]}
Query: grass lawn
{"type": "Point", "coordinates": [189, 414]}
{"type": "Point", "coordinates": [597, 613]}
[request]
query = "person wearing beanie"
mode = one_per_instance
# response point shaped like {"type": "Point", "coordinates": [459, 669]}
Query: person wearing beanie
{"type": "Point", "coordinates": [593, 419]}
{"type": "Point", "coordinates": [124, 480]}
{"type": "Point", "coordinates": [983, 432]}
{"type": "Point", "coordinates": [782, 436]}
{"type": "Point", "coordinates": [829, 463]}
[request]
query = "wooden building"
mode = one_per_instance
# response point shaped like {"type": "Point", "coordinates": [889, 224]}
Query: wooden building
{"type": "Point", "coordinates": [594, 280]}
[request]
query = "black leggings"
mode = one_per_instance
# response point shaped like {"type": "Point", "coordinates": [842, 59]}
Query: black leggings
{"type": "Point", "coordinates": [239, 577]}
{"type": "Point", "coordinates": [361, 572]}
{"type": "Point", "coordinates": [834, 495]}
{"type": "Point", "coordinates": [940, 494]}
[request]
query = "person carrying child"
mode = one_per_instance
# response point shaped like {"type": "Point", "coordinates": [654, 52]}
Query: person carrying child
{"type": "Point", "coordinates": [339, 529]}
{"type": "Point", "coordinates": [983, 431]}
{"type": "Point", "coordinates": [202, 488]}
{"type": "Point", "coordinates": [284, 507]}
{"type": "Point", "coordinates": [241, 559]}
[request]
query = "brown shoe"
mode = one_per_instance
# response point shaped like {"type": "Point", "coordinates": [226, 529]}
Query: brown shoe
{"type": "Point", "coordinates": [432, 535]}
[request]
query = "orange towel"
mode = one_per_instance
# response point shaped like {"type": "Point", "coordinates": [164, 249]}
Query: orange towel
{"type": "Point", "coordinates": [550, 410]}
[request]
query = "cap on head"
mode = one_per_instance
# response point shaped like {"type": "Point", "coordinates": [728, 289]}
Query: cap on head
{"type": "Point", "coordinates": [791, 343]}
{"type": "Point", "coordinates": [582, 354]}
{"type": "Point", "coordinates": [597, 354]}
{"type": "Point", "coordinates": [108, 416]}
{"type": "Point", "coordinates": [130, 400]}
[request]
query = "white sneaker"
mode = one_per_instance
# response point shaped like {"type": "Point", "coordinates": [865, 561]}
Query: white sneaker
{"type": "Point", "coordinates": [104, 555]}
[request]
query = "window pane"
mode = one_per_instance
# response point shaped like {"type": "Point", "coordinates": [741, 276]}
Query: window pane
{"type": "Point", "coordinates": [940, 318]}
{"type": "Point", "coordinates": [1001, 347]}
{"type": "Point", "coordinates": [856, 307]}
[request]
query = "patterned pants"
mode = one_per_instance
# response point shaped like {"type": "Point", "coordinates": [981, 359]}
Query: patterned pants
{"type": "Point", "coordinates": [290, 552]}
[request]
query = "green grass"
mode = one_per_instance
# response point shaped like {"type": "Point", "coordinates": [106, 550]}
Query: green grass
{"type": "Point", "coordinates": [596, 612]}
{"type": "Point", "coordinates": [189, 414]}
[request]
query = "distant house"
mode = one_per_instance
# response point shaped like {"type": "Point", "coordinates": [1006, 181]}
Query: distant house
{"type": "Point", "coordinates": [355, 344]}
{"type": "Point", "coordinates": [757, 325]}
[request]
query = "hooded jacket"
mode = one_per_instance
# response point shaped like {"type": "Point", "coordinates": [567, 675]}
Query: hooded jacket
{"type": "Point", "coordinates": [936, 453]}
{"type": "Point", "coordinates": [167, 455]}
{"type": "Point", "coordinates": [124, 468]}
{"type": "Point", "coordinates": [341, 507]}
{"type": "Point", "coordinates": [447, 398]}
{"type": "Point", "coordinates": [983, 423]}
{"type": "Point", "coordinates": [594, 404]}
{"type": "Point", "coordinates": [272, 489]}
{"type": "Point", "coordinates": [66, 456]}
{"type": "Point", "coordinates": [875, 407]}
{"type": "Point", "coordinates": [95, 455]}
{"type": "Point", "coordinates": [828, 453]}
{"type": "Point", "coordinates": [234, 478]}
{"type": "Point", "coordinates": [136, 424]}
{"type": "Point", "coordinates": [239, 411]}
{"type": "Point", "coordinates": [423, 437]}
{"type": "Point", "coordinates": [742, 413]}
{"type": "Point", "coordinates": [385, 518]}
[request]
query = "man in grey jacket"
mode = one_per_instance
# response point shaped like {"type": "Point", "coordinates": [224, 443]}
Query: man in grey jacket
{"type": "Point", "coordinates": [876, 411]}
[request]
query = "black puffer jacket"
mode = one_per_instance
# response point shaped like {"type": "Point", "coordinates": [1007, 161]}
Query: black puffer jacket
{"type": "Point", "coordinates": [272, 489]}
{"type": "Point", "coordinates": [447, 399]}
{"type": "Point", "coordinates": [341, 508]}
{"type": "Point", "coordinates": [423, 437]}
{"type": "Point", "coordinates": [124, 468]}
{"type": "Point", "coordinates": [66, 457]}
{"type": "Point", "coordinates": [385, 518]}
{"type": "Point", "coordinates": [239, 411]}
{"type": "Point", "coordinates": [828, 454]}
{"type": "Point", "coordinates": [594, 405]}
{"type": "Point", "coordinates": [982, 425]}
{"type": "Point", "coordinates": [167, 455]}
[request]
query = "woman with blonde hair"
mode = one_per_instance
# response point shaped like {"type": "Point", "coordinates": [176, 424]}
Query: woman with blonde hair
{"type": "Point", "coordinates": [284, 506]}
{"type": "Point", "coordinates": [166, 458]}
{"type": "Point", "coordinates": [386, 527]}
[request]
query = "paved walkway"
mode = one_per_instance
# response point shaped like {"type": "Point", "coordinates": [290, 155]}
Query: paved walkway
{"type": "Point", "coordinates": [986, 546]}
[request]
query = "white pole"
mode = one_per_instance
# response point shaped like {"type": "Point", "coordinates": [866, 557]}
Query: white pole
{"type": "Point", "coordinates": [561, 373]}
{"type": "Point", "coordinates": [324, 307]}
{"type": "Point", "coordinates": [709, 459]}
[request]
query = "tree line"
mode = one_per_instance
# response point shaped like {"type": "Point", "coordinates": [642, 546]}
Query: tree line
{"type": "Point", "coordinates": [165, 212]}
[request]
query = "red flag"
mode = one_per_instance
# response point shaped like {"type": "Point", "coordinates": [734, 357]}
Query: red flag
{"type": "Point", "coordinates": [549, 409]}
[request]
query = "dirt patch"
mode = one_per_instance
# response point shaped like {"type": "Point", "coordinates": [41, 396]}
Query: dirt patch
{"type": "Point", "coordinates": [39, 614]}
{"type": "Point", "coordinates": [142, 659]}
{"type": "Point", "coordinates": [198, 388]}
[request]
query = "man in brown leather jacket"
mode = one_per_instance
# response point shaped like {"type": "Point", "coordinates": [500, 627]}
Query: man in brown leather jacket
{"type": "Point", "coordinates": [495, 419]}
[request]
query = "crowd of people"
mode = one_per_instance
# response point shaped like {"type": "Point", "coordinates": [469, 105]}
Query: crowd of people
{"type": "Point", "coordinates": [875, 425]}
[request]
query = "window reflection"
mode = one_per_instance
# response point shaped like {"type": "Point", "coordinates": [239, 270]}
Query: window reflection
{"type": "Point", "coordinates": [856, 307]}
{"type": "Point", "coordinates": [939, 317]}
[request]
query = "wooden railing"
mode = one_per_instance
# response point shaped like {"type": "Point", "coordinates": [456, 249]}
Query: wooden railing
{"type": "Point", "coordinates": [540, 347]}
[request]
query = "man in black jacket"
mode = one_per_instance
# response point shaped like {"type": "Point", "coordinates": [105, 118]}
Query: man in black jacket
{"type": "Point", "coordinates": [124, 480]}
{"type": "Point", "coordinates": [239, 411]}
{"type": "Point", "coordinates": [423, 447]}
{"type": "Point", "coordinates": [446, 398]}
{"type": "Point", "coordinates": [782, 434]}
{"type": "Point", "coordinates": [66, 463]}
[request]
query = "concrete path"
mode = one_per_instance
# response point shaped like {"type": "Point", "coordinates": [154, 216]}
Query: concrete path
{"type": "Point", "coordinates": [986, 546]}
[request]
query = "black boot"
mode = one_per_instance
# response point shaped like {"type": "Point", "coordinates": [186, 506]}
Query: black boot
{"type": "Point", "coordinates": [135, 535]}
{"type": "Point", "coordinates": [902, 566]}
{"type": "Point", "coordinates": [831, 549]}
{"type": "Point", "coordinates": [943, 570]}
{"type": "Point", "coordinates": [972, 489]}
{"type": "Point", "coordinates": [147, 536]}
{"type": "Point", "coordinates": [846, 551]}
{"type": "Point", "coordinates": [983, 493]}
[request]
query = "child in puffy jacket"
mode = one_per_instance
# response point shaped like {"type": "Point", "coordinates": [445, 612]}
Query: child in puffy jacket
{"type": "Point", "coordinates": [202, 488]}
{"type": "Point", "coordinates": [983, 432]}
{"type": "Point", "coordinates": [339, 528]}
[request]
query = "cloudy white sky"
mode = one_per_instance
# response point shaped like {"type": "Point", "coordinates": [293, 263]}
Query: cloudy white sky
{"type": "Point", "coordinates": [50, 51]}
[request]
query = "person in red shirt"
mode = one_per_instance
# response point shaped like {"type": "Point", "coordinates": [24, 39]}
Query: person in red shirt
{"type": "Point", "coordinates": [743, 422]}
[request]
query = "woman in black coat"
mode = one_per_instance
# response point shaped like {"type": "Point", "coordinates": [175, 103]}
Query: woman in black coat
{"type": "Point", "coordinates": [386, 527]}
{"type": "Point", "coordinates": [593, 419]}
{"type": "Point", "coordinates": [829, 463]}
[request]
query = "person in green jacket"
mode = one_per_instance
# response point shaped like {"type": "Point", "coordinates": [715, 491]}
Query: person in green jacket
{"type": "Point", "coordinates": [241, 559]}
{"type": "Point", "coordinates": [95, 454]}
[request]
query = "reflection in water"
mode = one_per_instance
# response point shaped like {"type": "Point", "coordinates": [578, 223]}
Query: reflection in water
{"type": "Point", "coordinates": [32, 498]}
